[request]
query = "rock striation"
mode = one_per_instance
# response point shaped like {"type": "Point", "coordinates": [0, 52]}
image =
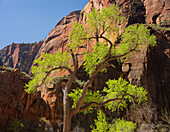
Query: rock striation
{"type": "Point", "coordinates": [140, 66]}
{"type": "Point", "coordinates": [150, 70]}
{"type": "Point", "coordinates": [58, 36]}
{"type": "Point", "coordinates": [20, 55]}
{"type": "Point", "coordinates": [158, 12]}
{"type": "Point", "coordinates": [16, 104]}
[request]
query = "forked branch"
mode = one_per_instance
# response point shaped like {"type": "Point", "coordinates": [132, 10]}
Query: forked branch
{"type": "Point", "coordinates": [103, 103]}
{"type": "Point", "coordinates": [49, 72]}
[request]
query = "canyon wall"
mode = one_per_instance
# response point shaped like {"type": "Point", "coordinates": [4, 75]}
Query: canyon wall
{"type": "Point", "coordinates": [20, 55]}
{"type": "Point", "coordinates": [16, 104]}
{"type": "Point", "coordinates": [148, 69]}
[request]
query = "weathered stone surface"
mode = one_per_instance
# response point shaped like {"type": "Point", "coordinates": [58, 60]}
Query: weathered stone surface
{"type": "Point", "coordinates": [157, 74]}
{"type": "Point", "coordinates": [15, 103]}
{"type": "Point", "coordinates": [20, 55]}
{"type": "Point", "coordinates": [58, 37]}
{"type": "Point", "coordinates": [157, 12]}
{"type": "Point", "coordinates": [150, 70]}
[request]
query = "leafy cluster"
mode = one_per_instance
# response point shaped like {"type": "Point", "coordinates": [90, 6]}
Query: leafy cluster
{"type": "Point", "coordinates": [120, 89]}
{"type": "Point", "coordinates": [91, 96]}
{"type": "Point", "coordinates": [134, 39]}
{"type": "Point", "coordinates": [108, 19]}
{"type": "Point", "coordinates": [46, 63]}
{"type": "Point", "coordinates": [119, 125]}
{"type": "Point", "coordinates": [91, 60]}
{"type": "Point", "coordinates": [15, 126]}
{"type": "Point", "coordinates": [123, 89]}
{"type": "Point", "coordinates": [76, 36]}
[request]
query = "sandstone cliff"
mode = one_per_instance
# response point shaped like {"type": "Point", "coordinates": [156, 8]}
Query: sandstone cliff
{"type": "Point", "coordinates": [141, 66]}
{"type": "Point", "coordinates": [20, 55]}
{"type": "Point", "coordinates": [16, 104]}
{"type": "Point", "coordinates": [150, 70]}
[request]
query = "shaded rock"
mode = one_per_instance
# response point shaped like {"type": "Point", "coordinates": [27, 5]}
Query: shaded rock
{"type": "Point", "coordinates": [15, 103]}
{"type": "Point", "coordinates": [158, 12]}
{"type": "Point", "coordinates": [151, 70]}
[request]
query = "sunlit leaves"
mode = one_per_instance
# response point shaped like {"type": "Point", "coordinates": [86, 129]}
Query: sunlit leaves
{"type": "Point", "coordinates": [101, 124]}
{"type": "Point", "coordinates": [43, 65]}
{"type": "Point", "coordinates": [135, 37]}
{"type": "Point", "coordinates": [119, 125]}
{"type": "Point", "coordinates": [91, 60]}
{"type": "Point", "coordinates": [116, 89]}
{"type": "Point", "coordinates": [76, 36]}
{"type": "Point", "coordinates": [108, 19]}
{"type": "Point", "coordinates": [122, 89]}
{"type": "Point", "coordinates": [91, 96]}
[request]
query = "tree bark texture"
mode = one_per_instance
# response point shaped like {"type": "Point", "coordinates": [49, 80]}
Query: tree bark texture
{"type": "Point", "coordinates": [67, 112]}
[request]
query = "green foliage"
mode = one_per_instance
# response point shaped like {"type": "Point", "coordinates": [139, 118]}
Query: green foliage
{"type": "Point", "coordinates": [76, 36]}
{"type": "Point", "coordinates": [91, 60]}
{"type": "Point", "coordinates": [116, 89]}
{"type": "Point", "coordinates": [101, 123]}
{"type": "Point", "coordinates": [136, 35]}
{"type": "Point", "coordinates": [57, 79]}
{"type": "Point", "coordinates": [26, 75]}
{"type": "Point", "coordinates": [119, 125]}
{"type": "Point", "coordinates": [7, 68]}
{"type": "Point", "coordinates": [123, 89]}
{"type": "Point", "coordinates": [107, 19]}
{"type": "Point", "coordinates": [158, 27]}
{"type": "Point", "coordinates": [45, 63]}
{"type": "Point", "coordinates": [44, 125]}
{"type": "Point", "coordinates": [79, 82]}
{"type": "Point", "coordinates": [91, 96]}
{"type": "Point", "coordinates": [15, 126]}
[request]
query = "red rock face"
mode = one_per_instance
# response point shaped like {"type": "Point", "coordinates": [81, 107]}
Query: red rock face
{"type": "Point", "coordinates": [145, 69]}
{"type": "Point", "coordinates": [134, 11]}
{"type": "Point", "coordinates": [58, 37]}
{"type": "Point", "coordinates": [20, 55]}
{"type": "Point", "coordinates": [15, 103]}
{"type": "Point", "coordinates": [157, 12]}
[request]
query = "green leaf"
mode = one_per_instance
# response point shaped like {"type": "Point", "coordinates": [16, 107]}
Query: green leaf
{"type": "Point", "coordinates": [123, 89]}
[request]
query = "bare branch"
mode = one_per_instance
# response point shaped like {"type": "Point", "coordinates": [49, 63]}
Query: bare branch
{"type": "Point", "coordinates": [75, 61]}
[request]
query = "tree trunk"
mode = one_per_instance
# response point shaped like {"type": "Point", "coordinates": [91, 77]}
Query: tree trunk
{"type": "Point", "coordinates": [67, 112]}
{"type": "Point", "coordinates": [67, 124]}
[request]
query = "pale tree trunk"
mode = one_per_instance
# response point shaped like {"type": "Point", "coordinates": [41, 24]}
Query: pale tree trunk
{"type": "Point", "coordinates": [67, 112]}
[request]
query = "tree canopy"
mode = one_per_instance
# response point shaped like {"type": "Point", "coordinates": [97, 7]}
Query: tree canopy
{"type": "Point", "coordinates": [103, 30]}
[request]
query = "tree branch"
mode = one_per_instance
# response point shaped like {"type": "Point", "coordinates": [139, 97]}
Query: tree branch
{"type": "Point", "coordinates": [110, 48]}
{"type": "Point", "coordinates": [119, 56]}
{"type": "Point", "coordinates": [75, 61]}
{"type": "Point", "coordinates": [99, 104]}
{"type": "Point", "coordinates": [102, 104]}
{"type": "Point", "coordinates": [49, 72]}
{"type": "Point", "coordinates": [85, 88]}
{"type": "Point", "coordinates": [104, 30]}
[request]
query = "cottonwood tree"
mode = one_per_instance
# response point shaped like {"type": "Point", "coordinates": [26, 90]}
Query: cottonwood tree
{"type": "Point", "coordinates": [103, 31]}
